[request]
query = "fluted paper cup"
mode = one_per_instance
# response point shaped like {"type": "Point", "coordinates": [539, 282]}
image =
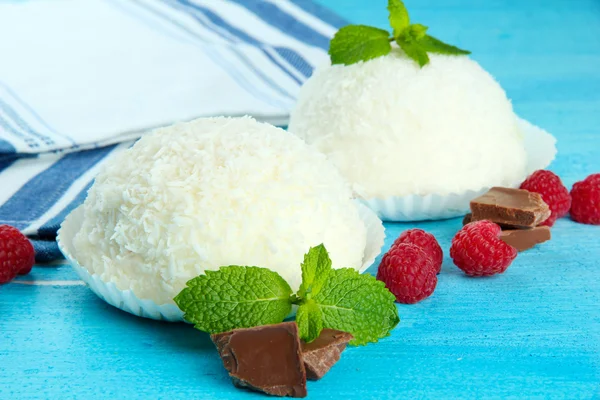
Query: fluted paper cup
{"type": "Point", "coordinates": [127, 301]}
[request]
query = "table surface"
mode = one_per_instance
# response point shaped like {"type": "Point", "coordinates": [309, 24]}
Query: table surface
{"type": "Point", "coordinates": [533, 332]}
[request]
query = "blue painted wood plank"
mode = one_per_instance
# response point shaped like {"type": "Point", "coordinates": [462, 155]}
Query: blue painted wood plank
{"type": "Point", "coordinates": [533, 332]}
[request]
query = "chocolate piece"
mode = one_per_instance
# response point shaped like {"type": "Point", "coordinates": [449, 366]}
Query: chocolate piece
{"type": "Point", "coordinates": [266, 358]}
{"type": "Point", "coordinates": [468, 218]}
{"type": "Point", "coordinates": [320, 354]}
{"type": "Point", "coordinates": [515, 207]}
{"type": "Point", "coordinates": [523, 239]}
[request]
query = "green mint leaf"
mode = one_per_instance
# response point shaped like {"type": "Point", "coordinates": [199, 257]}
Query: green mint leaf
{"type": "Point", "coordinates": [315, 267]}
{"type": "Point", "coordinates": [358, 304]}
{"type": "Point", "coordinates": [354, 43]}
{"type": "Point", "coordinates": [414, 51]}
{"type": "Point", "coordinates": [433, 45]}
{"type": "Point", "coordinates": [235, 297]}
{"type": "Point", "coordinates": [417, 31]}
{"type": "Point", "coordinates": [398, 17]}
{"type": "Point", "coordinates": [310, 321]}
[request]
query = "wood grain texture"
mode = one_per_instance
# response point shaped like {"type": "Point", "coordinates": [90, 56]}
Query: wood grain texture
{"type": "Point", "coordinates": [533, 332]}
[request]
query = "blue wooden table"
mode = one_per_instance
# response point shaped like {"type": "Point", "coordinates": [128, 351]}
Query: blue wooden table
{"type": "Point", "coordinates": [533, 332]}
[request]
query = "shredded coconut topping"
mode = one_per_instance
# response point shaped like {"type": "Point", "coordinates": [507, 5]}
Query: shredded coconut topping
{"type": "Point", "coordinates": [213, 192]}
{"type": "Point", "coordinates": [395, 129]}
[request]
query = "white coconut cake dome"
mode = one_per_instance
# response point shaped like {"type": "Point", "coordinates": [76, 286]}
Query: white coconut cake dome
{"type": "Point", "coordinates": [395, 129]}
{"type": "Point", "coordinates": [214, 192]}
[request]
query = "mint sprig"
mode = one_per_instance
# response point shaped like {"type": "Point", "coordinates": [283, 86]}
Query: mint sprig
{"type": "Point", "coordinates": [315, 267]}
{"type": "Point", "coordinates": [309, 318]}
{"type": "Point", "coordinates": [235, 297]}
{"type": "Point", "coordinates": [350, 302]}
{"type": "Point", "coordinates": [354, 43]}
{"type": "Point", "coordinates": [242, 297]}
{"type": "Point", "coordinates": [398, 17]}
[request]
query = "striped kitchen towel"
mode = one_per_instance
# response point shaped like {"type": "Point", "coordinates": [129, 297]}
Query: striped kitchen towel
{"type": "Point", "coordinates": [81, 80]}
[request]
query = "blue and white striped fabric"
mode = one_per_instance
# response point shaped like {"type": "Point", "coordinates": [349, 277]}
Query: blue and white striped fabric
{"type": "Point", "coordinates": [81, 80]}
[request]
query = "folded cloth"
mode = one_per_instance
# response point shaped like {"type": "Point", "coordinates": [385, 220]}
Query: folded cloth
{"type": "Point", "coordinates": [81, 80]}
{"type": "Point", "coordinates": [79, 74]}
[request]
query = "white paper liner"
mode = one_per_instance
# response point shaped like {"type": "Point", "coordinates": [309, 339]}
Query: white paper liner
{"type": "Point", "coordinates": [541, 150]}
{"type": "Point", "coordinates": [127, 301]}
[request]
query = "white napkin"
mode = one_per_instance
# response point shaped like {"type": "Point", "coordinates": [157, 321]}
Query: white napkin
{"type": "Point", "coordinates": [81, 74]}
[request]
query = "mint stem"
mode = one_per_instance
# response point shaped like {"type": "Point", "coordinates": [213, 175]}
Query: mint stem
{"type": "Point", "coordinates": [294, 299]}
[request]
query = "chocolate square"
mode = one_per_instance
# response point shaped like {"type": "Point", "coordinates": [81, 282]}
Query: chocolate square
{"type": "Point", "coordinates": [468, 218]}
{"type": "Point", "coordinates": [514, 207]}
{"type": "Point", "coordinates": [265, 358]}
{"type": "Point", "coordinates": [323, 352]}
{"type": "Point", "coordinates": [523, 239]}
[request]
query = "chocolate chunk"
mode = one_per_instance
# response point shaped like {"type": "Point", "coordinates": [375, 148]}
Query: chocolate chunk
{"type": "Point", "coordinates": [467, 219]}
{"type": "Point", "coordinates": [320, 354]}
{"type": "Point", "coordinates": [266, 359]}
{"type": "Point", "coordinates": [514, 207]}
{"type": "Point", "coordinates": [523, 239]}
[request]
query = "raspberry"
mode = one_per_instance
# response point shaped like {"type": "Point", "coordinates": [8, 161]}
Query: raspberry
{"type": "Point", "coordinates": [478, 251]}
{"type": "Point", "coordinates": [553, 192]}
{"type": "Point", "coordinates": [425, 241]}
{"type": "Point", "coordinates": [16, 254]}
{"type": "Point", "coordinates": [408, 273]}
{"type": "Point", "coordinates": [586, 200]}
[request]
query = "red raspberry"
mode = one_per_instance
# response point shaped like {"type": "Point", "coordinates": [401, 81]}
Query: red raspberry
{"type": "Point", "coordinates": [16, 254]}
{"type": "Point", "coordinates": [408, 273]}
{"type": "Point", "coordinates": [553, 192]}
{"type": "Point", "coordinates": [586, 200]}
{"type": "Point", "coordinates": [425, 241]}
{"type": "Point", "coordinates": [478, 251]}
